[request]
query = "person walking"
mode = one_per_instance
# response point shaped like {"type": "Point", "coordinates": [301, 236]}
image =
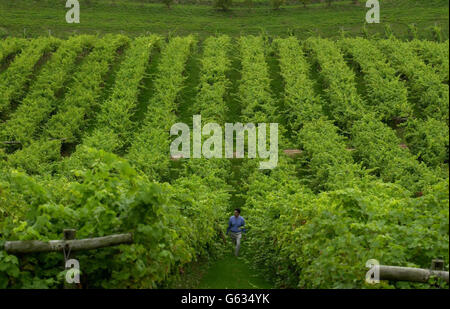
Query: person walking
{"type": "Point", "coordinates": [236, 228]}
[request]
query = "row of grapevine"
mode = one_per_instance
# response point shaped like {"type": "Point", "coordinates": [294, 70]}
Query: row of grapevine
{"type": "Point", "coordinates": [20, 72]}
{"type": "Point", "coordinates": [107, 197]}
{"type": "Point", "coordinates": [343, 103]}
{"type": "Point", "coordinates": [324, 152]}
{"type": "Point", "coordinates": [275, 198]}
{"type": "Point", "coordinates": [388, 98]}
{"type": "Point", "coordinates": [69, 121]}
{"type": "Point", "coordinates": [171, 224]}
{"type": "Point", "coordinates": [300, 101]}
{"type": "Point", "coordinates": [114, 126]}
{"type": "Point", "coordinates": [10, 47]}
{"type": "Point", "coordinates": [41, 99]}
{"type": "Point", "coordinates": [427, 135]}
{"type": "Point", "coordinates": [386, 94]}
{"type": "Point", "coordinates": [308, 240]}
{"type": "Point", "coordinates": [211, 104]}
{"type": "Point", "coordinates": [213, 81]}
{"type": "Point", "coordinates": [434, 54]}
{"type": "Point", "coordinates": [336, 73]}
{"type": "Point", "coordinates": [427, 91]}
{"type": "Point", "coordinates": [202, 183]}
{"type": "Point", "coordinates": [429, 140]}
{"type": "Point", "coordinates": [83, 97]}
{"type": "Point", "coordinates": [259, 106]}
{"type": "Point", "coordinates": [254, 87]}
{"type": "Point", "coordinates": [377, 147]}
{"type": "Point", "coordinates": [149, 149]}
{"type": "Point", "coordinates": [326, 163]}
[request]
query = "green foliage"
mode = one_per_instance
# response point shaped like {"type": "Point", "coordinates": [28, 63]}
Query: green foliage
{"type": "Point", "coordinates": [430, 96]}
{"type": "Point", "coordinates": [378, 148]}
{"type": "Point", "coordinates": [68, 123]}
{"type": "Point", "coordinates": [325, 162]}
{"type": "Point", "coordinates": [344, 104]}
{"type": "Point", "coordinates": [300, 102]}
{"type": "Point", "coordinates": [171, 224]}
{"type": "Point", "coordinates": [428, 139]}
{"type": "Point", "coordinates": [42, 96]}
{"type": "Point", "coordinates": [150, 148]}
{"type": "Point", "coordinates": [434, 54]}
{"type": "Point", "coordinates": [413, 32]}
{"type": "Point", "coordinates": [386, 94]}
{"type": "Point", "coordinates": [304, 240]}
{"type": "Point", "coordinates": [213, 80]}
{"type": "Point", "coordinates": [436, 31]}
{"type": "Point", "coordinates": [14, 79]}
{"type": "Point", "coordinates": [254, 87]}
{"type": "Point", "coordinates": [115, 115]}
{"type": "Point", "coordinates": [355, 191]}
{"type": "Point", "coordinates": [82, 99]}
{"type": "Point", "coordinates": [11, 46]}
{"type": "Point", "coordinates": [388, 33]}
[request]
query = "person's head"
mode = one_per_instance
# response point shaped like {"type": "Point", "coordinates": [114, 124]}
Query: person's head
{"type": "Point", "coordinates": [237, 212]}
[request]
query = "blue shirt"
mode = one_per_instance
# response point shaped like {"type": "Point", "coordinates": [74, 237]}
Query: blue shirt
{"type": "Point", "coordinates": [235, 224]}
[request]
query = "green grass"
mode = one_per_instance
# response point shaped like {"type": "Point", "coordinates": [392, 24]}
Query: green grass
{"type": "Point", "coordinates": [227, 272]}
{"type": "Point", "coordinates": [33, 18]}
{"type": "Point", "coordinates": [232, 273]}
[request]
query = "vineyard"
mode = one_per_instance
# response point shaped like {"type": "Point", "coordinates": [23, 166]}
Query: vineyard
{"type": "Point", "coordinates": [85, 144]}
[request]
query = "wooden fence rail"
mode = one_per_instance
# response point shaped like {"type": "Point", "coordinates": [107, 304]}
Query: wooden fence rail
{"type": "Point", "coordinates": [67, 246]}
{"type": "Point", "coordinates": [35, 246]}
{"type": "Point", "coordinates": [396, 273]}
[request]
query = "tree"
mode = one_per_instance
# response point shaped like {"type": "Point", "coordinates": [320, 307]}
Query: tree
{"type": "Point", "coordinates": [168, 3]}
{"type": "Point", "coordinates": [305, 2]}
{"type": "Point", "coordinates": [224, 5]}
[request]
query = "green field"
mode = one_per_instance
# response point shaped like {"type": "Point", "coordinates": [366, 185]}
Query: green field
{"type": "Point", "coordinates": [35, 18]}
{"type": "Point", "coordinates": [363, 146]}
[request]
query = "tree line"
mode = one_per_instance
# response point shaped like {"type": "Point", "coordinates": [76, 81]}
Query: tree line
{"type": "Point", "coordinates": [275, 4]}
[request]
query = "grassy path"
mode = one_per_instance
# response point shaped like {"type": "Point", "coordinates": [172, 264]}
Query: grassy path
{"type": "Point", "coordinates": [226, 272]}
{"type": "Point", "coordinates": [232, 273]}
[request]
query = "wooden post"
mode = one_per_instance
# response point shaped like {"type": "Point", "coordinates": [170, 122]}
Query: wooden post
{"type": "Point", "coordinates": [69, 234]}
{"type": "Point", "coordinates": [437, 264]}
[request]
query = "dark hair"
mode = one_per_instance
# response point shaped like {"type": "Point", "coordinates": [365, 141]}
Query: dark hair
{"type": "Point", "coordinates": [238, 210]}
